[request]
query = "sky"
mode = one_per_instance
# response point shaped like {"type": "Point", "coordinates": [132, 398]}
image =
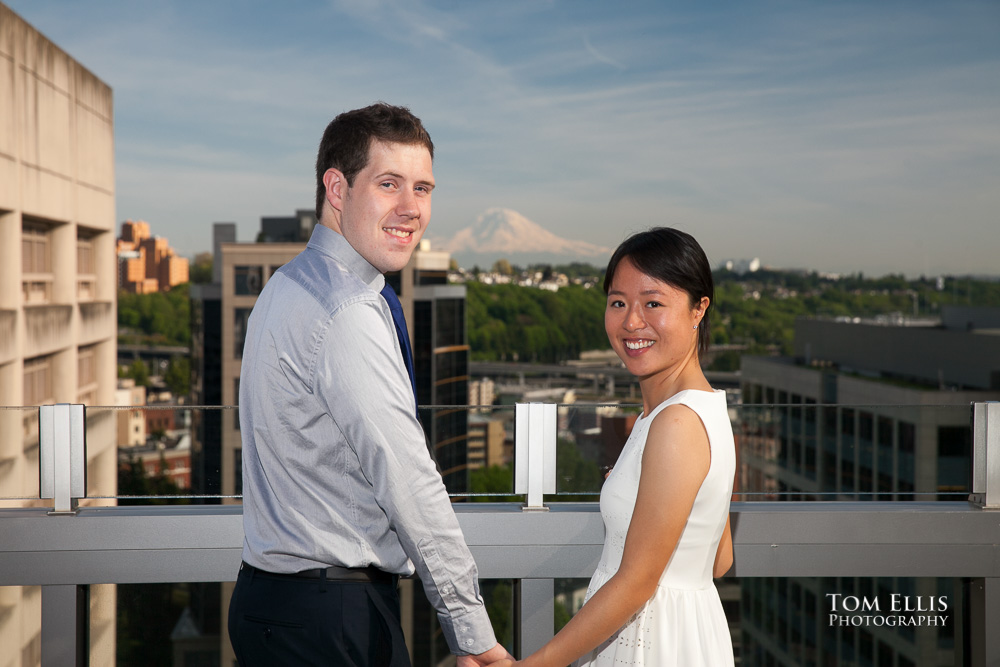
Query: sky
{"type": "Point", "coordinates": [832, 136]}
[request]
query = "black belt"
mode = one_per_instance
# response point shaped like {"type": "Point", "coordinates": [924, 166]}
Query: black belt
{"type": "Point", "coordinates": [333, 573]}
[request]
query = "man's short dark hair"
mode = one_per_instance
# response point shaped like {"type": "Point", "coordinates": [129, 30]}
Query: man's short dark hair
{"type": "Point", "coordinates": [348, 138]}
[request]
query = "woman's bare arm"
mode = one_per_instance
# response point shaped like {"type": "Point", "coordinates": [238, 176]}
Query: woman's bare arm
{"type": "Point", "coordinates": [724, 555]}
{"type": "Point", "coordinates": [675, 462]}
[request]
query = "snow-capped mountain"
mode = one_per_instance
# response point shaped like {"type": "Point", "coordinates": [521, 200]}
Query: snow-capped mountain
{"type": "Point", "coordinates": [501, 232]}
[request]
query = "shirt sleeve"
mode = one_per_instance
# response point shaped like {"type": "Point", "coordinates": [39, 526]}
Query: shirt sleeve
{"type": "Point", "coordinates": [361, 378]}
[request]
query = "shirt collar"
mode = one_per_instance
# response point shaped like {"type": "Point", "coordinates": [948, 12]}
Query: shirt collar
{"type": "Point", "coordinates": [332, 243]}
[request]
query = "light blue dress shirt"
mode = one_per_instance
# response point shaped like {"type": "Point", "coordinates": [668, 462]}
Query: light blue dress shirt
{"type": "Point", "coordinates": [335, 465]}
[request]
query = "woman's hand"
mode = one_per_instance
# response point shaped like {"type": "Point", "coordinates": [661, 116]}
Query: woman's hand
{"type": "Point", "coordinates": [497, 655]}
{"type": "Point", "coordinates": [503, 663]}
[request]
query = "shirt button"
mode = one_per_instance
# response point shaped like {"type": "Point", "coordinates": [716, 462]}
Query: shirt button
{"type": "Point", "coordinates": [468, 642]}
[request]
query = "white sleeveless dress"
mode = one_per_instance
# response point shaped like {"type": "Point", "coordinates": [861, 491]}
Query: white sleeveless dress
{"type": "Point", "coordinates": [683, 624]}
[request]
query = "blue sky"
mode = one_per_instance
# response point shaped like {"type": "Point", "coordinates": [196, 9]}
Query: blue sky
{"type": "Point", "coordinates": [834, 136]}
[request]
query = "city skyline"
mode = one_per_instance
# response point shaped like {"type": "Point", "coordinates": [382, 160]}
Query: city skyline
{"type": "Point", "coordinates": [837, 138]}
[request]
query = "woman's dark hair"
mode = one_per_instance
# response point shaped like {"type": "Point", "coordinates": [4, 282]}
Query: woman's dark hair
{"type": "Point", "coordinates": [347, 141]}
{"type": "Point", "coordinates": [673, 257]}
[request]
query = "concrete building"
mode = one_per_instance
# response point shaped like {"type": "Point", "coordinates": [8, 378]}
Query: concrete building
{"type": "Point", "coordinates": [169, 457]}
{"type": "Point", "coordinates": [869, 437]}
{"type": "Point", "coordinates": [147, 263]}
{"type": "Point", "coordinates": [57, 290]}
{"type": "Point", "coordinates": [131, 423]}
{"type": "Point", "coordinates": [246, 268]}
{"type": "Point", "coordinates": [487, 442]}
{"type": "Point", "coordinates": [482, 392]}
{"type": "Point", "coordinates": [863, 411]}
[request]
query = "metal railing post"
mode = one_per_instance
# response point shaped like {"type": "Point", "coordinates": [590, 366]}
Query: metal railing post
{"type": "Point", "coordinates": [535, 612]}
{"type": "Point", "coordinates": [984, 612]}
{"type": "Point", "coordinates": [62, 455]}
{"type": "Point", "coordinates": [986, 455]}
{"type": "Point", "coordinates": [535, 452]}
{"type": "Point", "coordinates": [65, 626]}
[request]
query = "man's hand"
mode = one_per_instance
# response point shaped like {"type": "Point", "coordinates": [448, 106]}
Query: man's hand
{"type": "Point", "coordinates": [497, 654]}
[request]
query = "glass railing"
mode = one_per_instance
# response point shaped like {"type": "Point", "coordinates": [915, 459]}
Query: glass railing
{"type": "Point", "coordinates": [19, 478]}
{"type": "Point", "coordinates": [854, 583]}
{"type": "Point", "coordinates": [178, 454]}
{"type": "Point", "coordinates": [853, 452]}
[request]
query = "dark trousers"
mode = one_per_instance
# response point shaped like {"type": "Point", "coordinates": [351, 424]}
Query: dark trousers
{"type": "Point", "coordinates": [280, 620]}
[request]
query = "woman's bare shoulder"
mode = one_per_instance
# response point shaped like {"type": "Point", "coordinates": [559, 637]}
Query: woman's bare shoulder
{"type": "Point", "coordinates": [678, 434]}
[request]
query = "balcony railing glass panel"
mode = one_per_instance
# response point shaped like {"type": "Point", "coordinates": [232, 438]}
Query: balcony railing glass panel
{"type": "Point", "coordinates": [19, 455]}
{"type": "Point", "coordinates": [786, 451]}
{"type": "Point", "coordinates": [798, 450]}
{"type": "Point", "coordinates": [853, 452]}
{"type": "Point", "coordinates": [473, 447]}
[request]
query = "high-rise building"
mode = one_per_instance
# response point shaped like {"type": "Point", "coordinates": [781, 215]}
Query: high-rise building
{"type": "Point", "coordinates": [58, 290]}
{"type": "Point", "coordinates": [131, 423]}
{"type": "Point", "coordinates": [206, 370]}
{"type": "Point", "coordinates": [287, 229]}
{"type": "Point", "coordinates": [435, 313]}
{"type": "Point", "coordinates": [863, 411]}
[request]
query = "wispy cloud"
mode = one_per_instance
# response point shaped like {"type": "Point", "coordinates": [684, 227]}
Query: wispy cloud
{"type": "Point", "coordinates": [781, 130]}
{"type": "Point", "coordinates": [600, 57]}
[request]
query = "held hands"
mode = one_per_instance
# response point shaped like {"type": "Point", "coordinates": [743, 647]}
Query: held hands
{"type": "Point", "coordinates": [497, 655]}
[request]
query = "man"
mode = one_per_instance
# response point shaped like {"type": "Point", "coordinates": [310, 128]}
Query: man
{"type": "Point", "coordinates": [340, 495]}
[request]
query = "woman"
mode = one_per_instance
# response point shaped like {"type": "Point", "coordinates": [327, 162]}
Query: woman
{"type": "Point", "coordinates": [666, 502]}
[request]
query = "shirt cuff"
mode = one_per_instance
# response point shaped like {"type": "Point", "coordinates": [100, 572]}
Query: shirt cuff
{"type": "Point", "coordinates": [469, 634]}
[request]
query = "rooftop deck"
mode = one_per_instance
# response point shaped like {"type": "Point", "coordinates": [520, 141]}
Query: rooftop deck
{"type": "Point", "coordinates": [533, 543]}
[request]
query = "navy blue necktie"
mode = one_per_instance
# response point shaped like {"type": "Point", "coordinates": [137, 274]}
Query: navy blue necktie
{"type": "Point", "coordinates": [404, 338]}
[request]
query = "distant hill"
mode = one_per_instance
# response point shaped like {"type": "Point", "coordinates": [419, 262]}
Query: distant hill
{"type": "Point", "coordinates": [503, 233]}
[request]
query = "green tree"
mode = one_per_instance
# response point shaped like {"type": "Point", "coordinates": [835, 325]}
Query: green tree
{"type": "Point", "coordinates": [508, 321]}
{"type": "Point", "coordinates": [498, 594]}
{"type": "Point", "coordinates": [133, 481]}
{"type": "Point", "coordinates": [201, 268]}
{"type": "Point", "coordinates": [138, 372]}
{"type": "Point", "coordinates": [498, 480]}
{"type": "Point", "coordinates": [159, 318]}
{"type": "Point", "coordinates": [575, 473]}
{"type": "Point", "coordinates": [178, 376]}
{"type": "Point", "coordinates": [560, 615]}
{"type": "Point", "coordinates": [503, 267]}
